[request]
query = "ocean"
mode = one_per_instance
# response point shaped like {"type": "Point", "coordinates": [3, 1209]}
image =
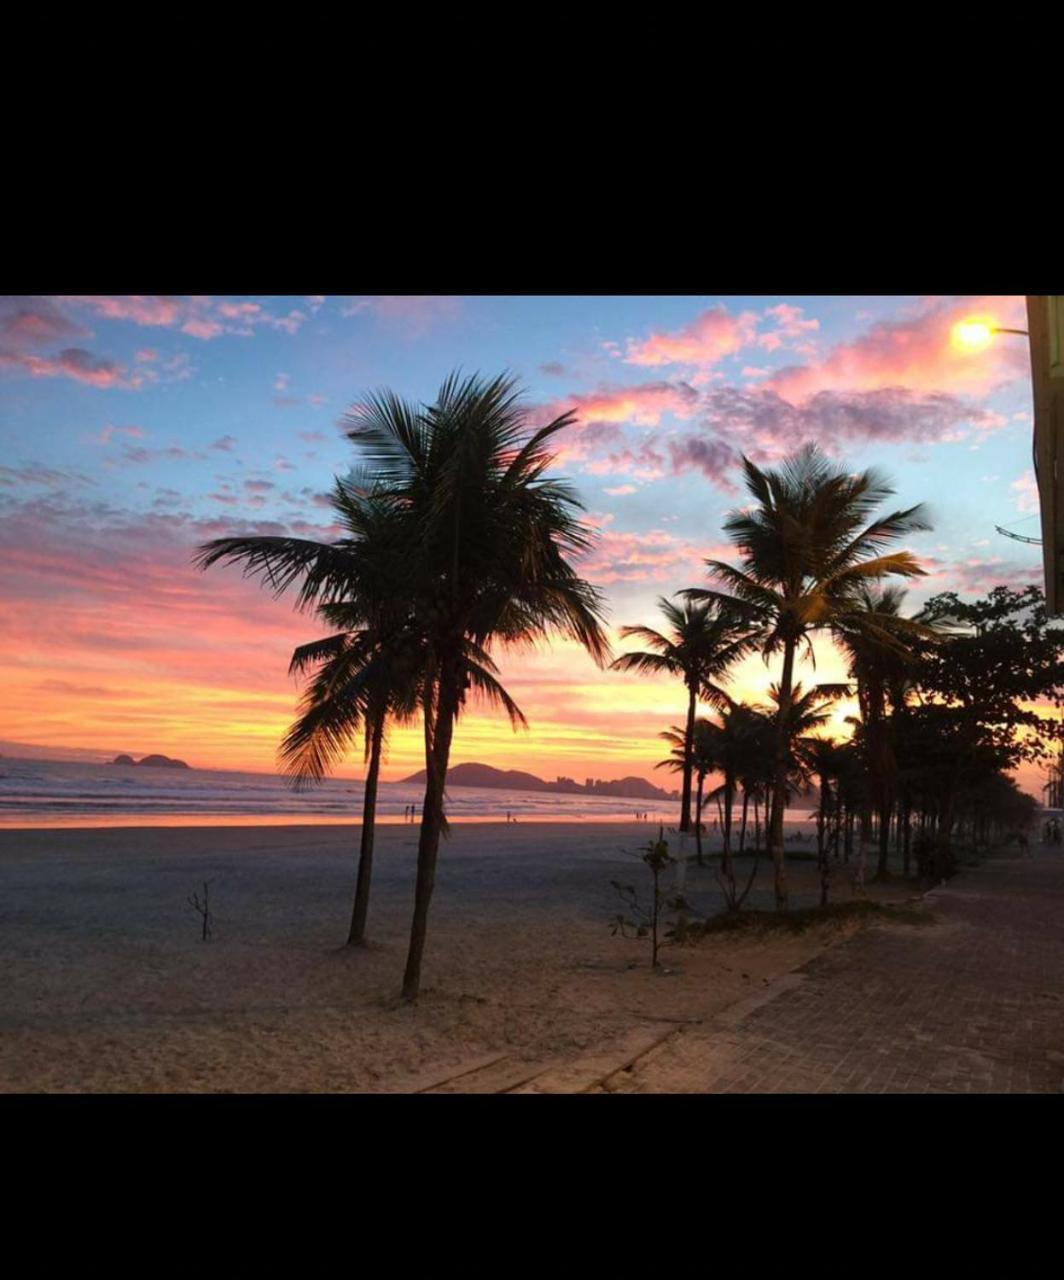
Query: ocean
{"type": "Point", "coordinates": [58, 793]}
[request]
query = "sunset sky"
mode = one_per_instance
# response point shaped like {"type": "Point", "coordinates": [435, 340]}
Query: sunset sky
{"type": "Point", "coordinates": [134, 428]}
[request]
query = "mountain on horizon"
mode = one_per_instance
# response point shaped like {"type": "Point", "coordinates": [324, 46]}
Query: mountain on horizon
{"type": "Point", "coordinates": [485, 775]}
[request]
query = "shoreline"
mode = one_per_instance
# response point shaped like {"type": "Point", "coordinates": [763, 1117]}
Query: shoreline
{"type": "Point", "coordinates": [147, 822]}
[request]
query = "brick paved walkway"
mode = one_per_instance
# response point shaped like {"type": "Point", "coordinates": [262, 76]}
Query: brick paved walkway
{"type": "Point", "coordinates": [972, 1004]}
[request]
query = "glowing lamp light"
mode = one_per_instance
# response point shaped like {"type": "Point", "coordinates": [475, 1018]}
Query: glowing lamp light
{"type": "Point", "coordinates": [972, 335]}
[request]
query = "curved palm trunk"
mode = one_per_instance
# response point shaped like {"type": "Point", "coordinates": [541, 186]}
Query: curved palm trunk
{"type": "Point", "coordinates": [779, 781]}
{"type": "Point", "coordinates": [688, 763]}
{"type": "Point", "coordinates": [357, 933]}
{"type": "Point", "coordinates": [432, 818]}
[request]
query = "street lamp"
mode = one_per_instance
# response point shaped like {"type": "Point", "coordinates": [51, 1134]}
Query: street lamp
{"type": "Point", "coordinates": [974, 334]}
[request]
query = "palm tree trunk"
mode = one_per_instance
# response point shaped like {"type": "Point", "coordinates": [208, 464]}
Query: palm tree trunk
{"type": "Point", "coordinates": [884, 839]}
{"type": "Point", "coordinates": [357, 933]}
{"type": "Point", "coordinates": [907, 842]}
{"type": "Point", "coordinates": [431, 827]}
{"type": "Point", "coordinates": [698, 819]}
{"type": "Point", "coordinates": [688, 763]}
{"type": "Point", "coordinates": [742, 825]}
{"type": "Point", "coordinates": [822, 821]}
{"type": "Point", "coordinates": [779, 781]}
{"type": "Point", "coordinates": [729, 804]}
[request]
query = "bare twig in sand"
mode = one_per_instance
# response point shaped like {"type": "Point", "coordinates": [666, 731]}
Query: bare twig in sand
{"type": "Point", "coordinates": [203, 908]}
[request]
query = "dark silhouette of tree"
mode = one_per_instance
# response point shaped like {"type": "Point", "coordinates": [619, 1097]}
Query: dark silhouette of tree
{"type": "Point", "coordinates": [488, 539]}
{"type": "Point", "coordinates": [808, 543]}
{"type": "Point", "coordinates": [701, 643]}
{"type": "Point", "coordinates": [379, 666]}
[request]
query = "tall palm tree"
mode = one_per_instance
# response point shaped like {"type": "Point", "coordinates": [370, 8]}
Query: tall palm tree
{"type": "Point", "coordinates": [377, 666]}
{"type": "Point", "coordinates": [487, 540]}
{"type": "Point", "coordinates": [361, 673]}
{"type": "Point", "coordinates": [810, 540]}
{"type": "Point", "coordinates": [701, 643]}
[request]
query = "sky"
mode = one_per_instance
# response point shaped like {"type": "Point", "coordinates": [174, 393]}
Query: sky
{"type": "Point", "coordinates": [135, 428]}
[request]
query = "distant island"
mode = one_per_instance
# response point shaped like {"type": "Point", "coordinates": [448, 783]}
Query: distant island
{"type": "Point", "coordinates": [153, 762]}
{"type": "Point", "coordinates": [483, 775]}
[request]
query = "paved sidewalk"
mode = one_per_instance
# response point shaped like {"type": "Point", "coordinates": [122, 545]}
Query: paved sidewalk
{"type": "Point", "coordinates": [972, 1004]}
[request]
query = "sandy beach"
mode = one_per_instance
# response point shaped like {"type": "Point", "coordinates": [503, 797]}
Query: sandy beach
{"type": "Point", "coordinates": [109, 987]}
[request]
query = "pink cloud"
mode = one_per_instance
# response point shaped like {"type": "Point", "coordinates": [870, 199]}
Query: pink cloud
{"type": "Point", "coordinates": [712, 457]}
{"type": "Point", "coordinates": [645, 462]}
{"type": "Point", "coordinates": [31, 322]}
{"type": "Point", "coordinates": [791, 328]}
{"type": "Point", "coordinates": [138, 454]}
{"type": "Point", "coordinates": [154, 310]}
{"type": "Point", "coordinates": [915, 353]}
{"type": "Point", "coordinates": [104, 437]}
{"type": "Point", "coordinates": [706, 340]}
{"type": "Point", "coordinates": [977, 576]}
{"type": "Point", "coordinates": [75, 363]}
{"type": "Point", "coordinates": [197, 315]}
{"type": "Point", "coordinates": [644, 404]}
{"type": "Point", "coordinates": [202, 328]}
{"type": "Point", "coordinates": [621, 490]}
{"type": "Point", "coordinates": [36, 473]}
{"type": "Point", "coordinates": [413, 314]}
{"type": "Point", "coordinates": [656, 555]}
{"type": "Point", "coordinates": [1026, 488]}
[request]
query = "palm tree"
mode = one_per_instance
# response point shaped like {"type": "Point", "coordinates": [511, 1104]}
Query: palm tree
{"type": "Point", "coordinates": [875, 638]}
{"type": "Point", "coordinates": [754, 767]}
{"type": "Point", "coordinates": [355, 686]}
{"type": "Point", "coordinates": [826, 761]}
{"type": "Point", "coordinates": [487, 542]}
{"type": "Point", "coordinates": [356, 681]}
{"type": "Point", "coordinates": [702, 642]}
{"type": "Point", "coordinates": [807, 545]}
{"type": "Point", "coordinates": [374, 669]}
{"type": "Point", "coordinates": [360, 683]}
{"type": "Point", "coordinates": [704, 759]}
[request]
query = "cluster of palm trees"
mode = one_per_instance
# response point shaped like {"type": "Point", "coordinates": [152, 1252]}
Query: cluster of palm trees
{"type": "Point", "coordinates": [812, 552]}
{"type": "Point", "coordinates": [455, 543]}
